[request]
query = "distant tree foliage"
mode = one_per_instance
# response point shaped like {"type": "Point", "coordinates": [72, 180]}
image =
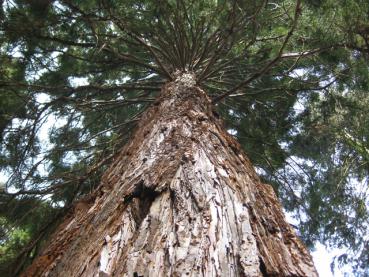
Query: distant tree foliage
{"type": "Point", "coordinates": [289, 78]}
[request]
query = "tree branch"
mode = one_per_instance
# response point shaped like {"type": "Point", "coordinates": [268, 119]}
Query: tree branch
{"type": "Point", "coordinates": [266, 68]}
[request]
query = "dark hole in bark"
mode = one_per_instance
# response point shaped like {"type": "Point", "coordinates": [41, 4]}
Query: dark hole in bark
{"type": "Point", "coordinates": [141, 198]}
{"type": "Point", "coordinates": [172, 195]}
{"type": "Point", "coordinates": [184, 158]}
{"type": "Point", "coordinates": [202, 118]}
{"type": "Point", "coordinates": [262, 267]}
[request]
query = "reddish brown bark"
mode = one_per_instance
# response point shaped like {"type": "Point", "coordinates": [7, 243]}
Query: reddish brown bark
{"type": "Point", "coordinates": [181, 199]}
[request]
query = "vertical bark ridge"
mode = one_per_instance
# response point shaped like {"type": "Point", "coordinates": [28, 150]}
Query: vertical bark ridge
{"type": "Point", "coordinates": [181, 199]}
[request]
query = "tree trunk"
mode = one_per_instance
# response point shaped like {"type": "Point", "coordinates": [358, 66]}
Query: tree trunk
{"type": "Point", "coordinates": [181, 199]}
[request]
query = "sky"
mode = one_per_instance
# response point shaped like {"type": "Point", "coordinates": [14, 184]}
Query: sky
{"type": "Point", "coordinates": [322, 260]}
{"type": "Point", "coordinates": [323, 257]}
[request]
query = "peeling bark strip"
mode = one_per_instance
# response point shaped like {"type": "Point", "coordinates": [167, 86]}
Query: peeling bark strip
{"type": "Point", "coordinates": [181, 199]}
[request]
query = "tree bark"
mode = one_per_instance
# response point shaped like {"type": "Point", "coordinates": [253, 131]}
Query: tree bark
{"type": "Point", "coordinates": [181, 199]}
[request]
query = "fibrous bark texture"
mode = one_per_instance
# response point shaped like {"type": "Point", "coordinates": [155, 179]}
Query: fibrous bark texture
{"type": "Point", "coordinates": [181, 199]}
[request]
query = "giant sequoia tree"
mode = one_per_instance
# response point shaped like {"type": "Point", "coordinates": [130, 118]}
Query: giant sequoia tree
{"type": "Point", "coordinates": [138, 176]}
